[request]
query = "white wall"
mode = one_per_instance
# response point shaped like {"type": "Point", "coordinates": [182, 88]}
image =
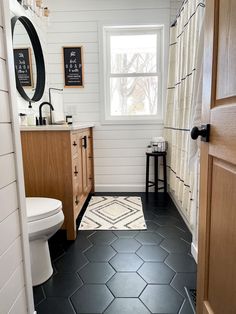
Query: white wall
{"type": "Point", "coordinates": [119, 149]}
{"type": "Point", "coordinates": [15, 279]}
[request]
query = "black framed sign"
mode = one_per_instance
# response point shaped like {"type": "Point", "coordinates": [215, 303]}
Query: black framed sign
{"type": "Point", "coordinates": [73, 66]}
{"type": "Point", "coordinates": [23, 66]}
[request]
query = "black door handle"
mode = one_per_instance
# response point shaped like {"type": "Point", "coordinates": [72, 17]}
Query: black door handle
{"type": "Point", "coordinates": [204, 132]}
{"type": "Point", "coordinates": [84, 138]}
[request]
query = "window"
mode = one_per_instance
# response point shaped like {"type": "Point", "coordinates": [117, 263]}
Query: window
{"type": "Point", "coordinates": [132, 73]}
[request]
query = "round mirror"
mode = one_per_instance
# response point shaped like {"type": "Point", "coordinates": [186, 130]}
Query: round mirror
{"type": "Point", "coordinates": [28, 58]}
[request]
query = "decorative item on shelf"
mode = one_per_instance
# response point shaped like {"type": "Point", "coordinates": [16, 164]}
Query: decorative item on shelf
{"type": "Point", "coordinates": [46, 12]}
{"type": "Point", "coordinates": [158, 144]}
{"type": "Point", "coordinates": [39, 3]}
{"type": "Point", "coordinates": [27, 4]}
{"type": "Point", "coordinates": [41, 12]}
{"type": "Point", "coordinates": [37, 11]}
{"type": "Point", "coordinates": [36, 6]}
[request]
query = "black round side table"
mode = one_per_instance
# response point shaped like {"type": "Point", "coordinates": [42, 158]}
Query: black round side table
{"type": "Point", "coordinates": [154, 183]}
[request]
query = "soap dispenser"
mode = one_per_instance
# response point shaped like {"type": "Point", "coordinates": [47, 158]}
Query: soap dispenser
{"type": "Point", "coordinates": [31, 115]}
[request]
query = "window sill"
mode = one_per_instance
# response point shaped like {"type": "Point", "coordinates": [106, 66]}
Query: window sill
{"type": "Point", "coordinates": [132, 121]}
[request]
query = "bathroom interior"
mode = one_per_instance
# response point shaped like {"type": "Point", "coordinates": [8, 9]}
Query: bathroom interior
{"type": "Point", "coordinates": [107, 150]}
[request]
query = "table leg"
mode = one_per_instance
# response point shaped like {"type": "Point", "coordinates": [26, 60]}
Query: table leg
{"type": "Point", "coordinates": [164, 173]}
{"type": "Point", "coordinates": [156, 173]}
{"type": "Point", "coordinates": [147, 173]}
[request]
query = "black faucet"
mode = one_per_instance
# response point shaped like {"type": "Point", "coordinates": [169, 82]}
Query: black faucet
{"type": "Point", "coordinates": [40, 111]}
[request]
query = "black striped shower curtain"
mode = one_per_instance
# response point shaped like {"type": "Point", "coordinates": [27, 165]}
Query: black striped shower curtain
{"type": "Point", "coordinates": [181, 105]}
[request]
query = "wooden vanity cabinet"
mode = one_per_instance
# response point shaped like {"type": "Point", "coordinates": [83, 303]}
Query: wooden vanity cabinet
{"type": "Point", "coordinates": [59, 164]}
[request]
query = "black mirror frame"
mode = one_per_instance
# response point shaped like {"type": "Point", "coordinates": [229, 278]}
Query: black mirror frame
{"type": "Point", "coordinates": [38, 52]}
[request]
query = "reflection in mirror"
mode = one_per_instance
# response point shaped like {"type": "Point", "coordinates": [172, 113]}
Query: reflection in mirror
{"type": "Point", "coordinates": [29, 60]}
{"type": "Point", "coordinates": [24, 59]}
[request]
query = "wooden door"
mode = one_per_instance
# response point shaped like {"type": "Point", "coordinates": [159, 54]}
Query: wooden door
{"type": "Point", "coordinates": [216, 289]}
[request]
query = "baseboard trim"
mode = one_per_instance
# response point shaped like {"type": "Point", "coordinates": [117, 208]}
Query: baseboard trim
{"type": "Point", "coordinates": [122, 188]}
{"type": "Point", "coordinates": [178, 206]}
{"type": "Point", "coordinates": [194, 251]}
{"type": "Point", "coordinates": [119, 188]}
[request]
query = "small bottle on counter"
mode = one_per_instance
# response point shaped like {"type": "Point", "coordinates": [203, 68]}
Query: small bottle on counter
{"type": "Point", "coordinates": [31, 115]}
{"type": "Point", "coordinates": [23, 119]}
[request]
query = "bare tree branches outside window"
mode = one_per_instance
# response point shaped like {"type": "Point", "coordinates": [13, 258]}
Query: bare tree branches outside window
{"type": "Point", "coordinates": [134, 79]}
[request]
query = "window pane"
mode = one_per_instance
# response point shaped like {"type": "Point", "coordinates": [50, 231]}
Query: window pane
{"type": "Point", "coordinates": [133, 53]}
{"type": "Point", "coordinates": [132, 96]}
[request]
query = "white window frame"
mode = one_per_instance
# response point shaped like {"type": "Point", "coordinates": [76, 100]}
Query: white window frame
{"type": "Point", "coordinates": [107, 32]}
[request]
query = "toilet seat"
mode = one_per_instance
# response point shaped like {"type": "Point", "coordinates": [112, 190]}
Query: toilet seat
{"type": "Point", "coordinates": [41, 207]}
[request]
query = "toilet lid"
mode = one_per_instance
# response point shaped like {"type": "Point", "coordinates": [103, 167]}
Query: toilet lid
{"type": "Point", "coordinates": [41, 207]}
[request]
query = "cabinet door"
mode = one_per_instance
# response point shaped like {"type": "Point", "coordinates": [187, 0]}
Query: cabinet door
{"type": "Point", "coordinates": [86, 158]}
{"type": "Point", "coordinates": [90, 161]}
{"type": "Point", "coordinates": [83, 140]}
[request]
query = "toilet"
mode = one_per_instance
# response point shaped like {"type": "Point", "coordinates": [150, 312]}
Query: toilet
{"type": "Point", "coordinates": [44, 218]}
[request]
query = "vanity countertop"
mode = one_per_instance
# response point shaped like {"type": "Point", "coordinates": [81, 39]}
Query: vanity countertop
{"type": "Point", "coordinates": [57, 127]}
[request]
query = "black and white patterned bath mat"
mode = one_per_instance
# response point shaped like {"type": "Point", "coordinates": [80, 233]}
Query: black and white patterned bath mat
{"type": "Point", "coordinates": [113, 213]}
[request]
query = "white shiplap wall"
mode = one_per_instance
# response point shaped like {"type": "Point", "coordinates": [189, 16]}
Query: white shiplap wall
{"type": "Point", "coordinates": [119, 149]}
{"type": "Point", "coordinates": [15, 279]}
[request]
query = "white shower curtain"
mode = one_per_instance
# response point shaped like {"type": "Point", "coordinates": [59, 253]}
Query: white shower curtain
{"type": "Point", "coordinates": [184, 79]}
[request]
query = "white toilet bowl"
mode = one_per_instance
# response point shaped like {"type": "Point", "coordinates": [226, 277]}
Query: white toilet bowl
{"type": "Point", "coordinates": [45, 217]}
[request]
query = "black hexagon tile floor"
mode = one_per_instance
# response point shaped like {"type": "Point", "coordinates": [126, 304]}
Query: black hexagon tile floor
{"type": "Point", "coordinates": [96, 273]}
{"type": "Point", "coordinates": [103, 237]}
{"type": "Point", "coordinates": [152, 253]}
{"type": "Point", "coordinates": [127, 306]}
{"type": "Point", "coordinates": [161, 299]}
{"type": "Point", "coordinates": [156, 273]}
{"type": "Point", "coordinates": [126, 262]}
{"type": "Point", "coordinates": [92, 299]}
{"type": "Point", "coordinates": [126, 245]}
{"type": "Point", "coordinates": [148, 238]}
{"type": "Point", "coordinates": [100, 253]}
{"type": "Point", "coordinates": [122, 272]}
{"type": "Point", "coordinates": [126, 285]}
